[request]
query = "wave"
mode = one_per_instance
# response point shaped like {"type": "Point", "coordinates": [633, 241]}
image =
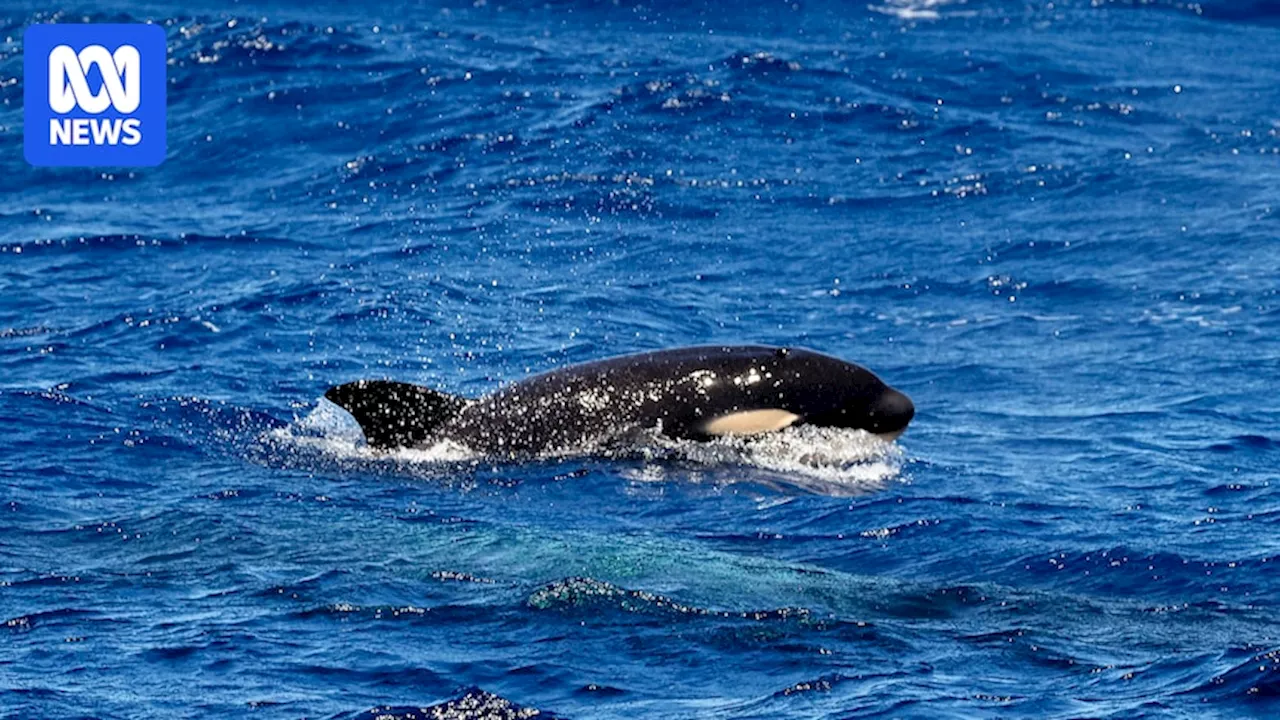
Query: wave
{"type": "Point", "coordinates": [1256, 677]}
{"type": "Point", "coordinates": [1165, 575]}
{"type": "Point", "coordinates": [578, 594]}
{"type": "Point", "coordinates": [473, 704]}
{"type": "Point", "coordinates": [922, 9]}
{"type": "Point", "coordinates": [1241, 11]}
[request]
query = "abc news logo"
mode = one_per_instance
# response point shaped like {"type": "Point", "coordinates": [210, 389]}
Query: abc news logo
{"type": "Point", "coordinates": [69, 89]}
{"type": "Point", "coordinates": [94, 95]}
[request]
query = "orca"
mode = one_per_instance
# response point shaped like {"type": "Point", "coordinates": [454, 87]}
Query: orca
{"type": "Point", "coordinates": [695, 393]}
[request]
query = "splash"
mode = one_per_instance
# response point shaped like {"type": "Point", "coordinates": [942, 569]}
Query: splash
{"type": "Point", "coordinates": [473, 704]}
{"type": "Point", "coordinates": [918, 9]}
{"type": "Point", "coordinates": [328, 437]}
{"type": "Point", "coordinates": [826, 461]}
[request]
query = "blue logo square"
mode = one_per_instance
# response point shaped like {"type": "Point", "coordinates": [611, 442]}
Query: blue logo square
{"type": "Point", "coordinates": [94, 95]}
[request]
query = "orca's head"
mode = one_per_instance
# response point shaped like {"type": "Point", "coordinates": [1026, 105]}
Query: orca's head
{"type": "Point", "coordinates": [845, 395]}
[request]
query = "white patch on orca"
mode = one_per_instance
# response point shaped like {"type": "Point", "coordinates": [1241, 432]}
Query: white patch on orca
{"type": "Point", "coordinates": [751, 422]}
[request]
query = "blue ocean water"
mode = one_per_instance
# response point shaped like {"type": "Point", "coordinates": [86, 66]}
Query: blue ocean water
{"type": "Point", "coordinates": [1053, 224]}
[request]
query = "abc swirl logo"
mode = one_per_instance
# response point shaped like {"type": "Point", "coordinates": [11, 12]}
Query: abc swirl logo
{"type": "Point", "coordinates": [69, 89]}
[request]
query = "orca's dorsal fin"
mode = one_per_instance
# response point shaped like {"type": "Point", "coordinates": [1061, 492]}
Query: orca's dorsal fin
{"type": "Point", "coordinates": [395, 414]}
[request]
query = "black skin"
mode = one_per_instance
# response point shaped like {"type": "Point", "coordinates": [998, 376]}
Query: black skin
{"type": "Point", "coordinates": [678, 390]}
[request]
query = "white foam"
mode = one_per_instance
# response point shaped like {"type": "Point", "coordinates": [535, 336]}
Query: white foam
{"type": "Point", "coordinates": [329, 433]}
{"type": "Point", "coordinates": [919, 9]}
{"type": "Point", "coordinates": [828, 461]}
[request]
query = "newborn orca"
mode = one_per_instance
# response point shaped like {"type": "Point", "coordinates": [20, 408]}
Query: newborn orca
{"type": "Point", "coordinates": [694, 393]}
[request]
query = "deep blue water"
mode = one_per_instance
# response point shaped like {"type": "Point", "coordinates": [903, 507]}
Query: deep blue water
{"type": "Point", "coordinates": [1052, 224]}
